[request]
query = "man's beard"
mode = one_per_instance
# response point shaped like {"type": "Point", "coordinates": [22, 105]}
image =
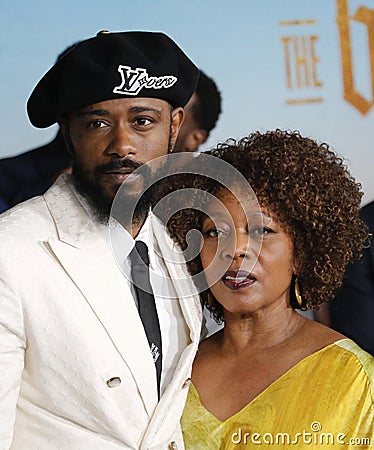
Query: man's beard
{"type": "Point", "coordinates": [89, 186]}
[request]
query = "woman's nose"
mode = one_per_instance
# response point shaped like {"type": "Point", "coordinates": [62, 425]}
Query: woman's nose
{"type": "Point", "coordinates": [238, 246]}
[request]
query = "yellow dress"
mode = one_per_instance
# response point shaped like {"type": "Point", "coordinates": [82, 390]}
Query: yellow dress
{"type": "Point", "coordinates": [324, 402]}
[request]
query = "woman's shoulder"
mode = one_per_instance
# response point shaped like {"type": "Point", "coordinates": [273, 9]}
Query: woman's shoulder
{"type": "Point", "coordinates": [356, 355]}
{"type": "Point", "coordinates": [336, 349]}
{"type": "Point", "coordinates": [343, 363]}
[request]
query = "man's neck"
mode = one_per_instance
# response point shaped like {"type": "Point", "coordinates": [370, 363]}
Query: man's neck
{"type": "Point", "coordinates": [137, 224]}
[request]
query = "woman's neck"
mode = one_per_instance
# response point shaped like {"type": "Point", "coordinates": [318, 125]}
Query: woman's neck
{"type": "Point", "coordinates": [263, 330]}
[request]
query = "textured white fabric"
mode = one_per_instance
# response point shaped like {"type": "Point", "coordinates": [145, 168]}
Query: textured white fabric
{"type": "Point", "coordinates": [68, 324]}
{"type": "Point", "coordinates": [174, 330]}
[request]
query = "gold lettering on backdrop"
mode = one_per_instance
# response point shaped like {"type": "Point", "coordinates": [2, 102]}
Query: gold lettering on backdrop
{"type": "Point", "coordinates": [366, 17]}
{"type": "Point", "coordinates": [297, 22]}
{"type": "Point", "coordinates": [299, 101]}
{"type": "Point", "coordinates": [301, 62]}
{"type": "Point", "coordinates": [286, 42]}
{"type": "Point", "coordinates": [315, 61]}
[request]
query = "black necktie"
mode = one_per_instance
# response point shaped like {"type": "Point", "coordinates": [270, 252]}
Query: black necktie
{"type": "Point", "coordinates": [146, 303]}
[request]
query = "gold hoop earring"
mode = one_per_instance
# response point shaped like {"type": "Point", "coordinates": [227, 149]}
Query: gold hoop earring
{"type": "Point", "coordinates": [297, 293]}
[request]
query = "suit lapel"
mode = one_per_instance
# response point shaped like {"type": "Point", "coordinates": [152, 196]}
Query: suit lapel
{"type": "Point", "coordinates": [187, 293]}
{"type": "Point", "coordinates": [88, 261]}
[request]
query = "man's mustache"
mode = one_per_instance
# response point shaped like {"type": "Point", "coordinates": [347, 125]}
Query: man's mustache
{"type": "Point", "coordinates": [112, 166]}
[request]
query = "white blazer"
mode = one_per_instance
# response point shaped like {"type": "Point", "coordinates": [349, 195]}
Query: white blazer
{"type": "Point", "coordinates": [69, 325]}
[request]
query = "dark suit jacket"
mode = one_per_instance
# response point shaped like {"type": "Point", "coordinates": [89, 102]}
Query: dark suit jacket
{"type": "Point", "coordinates": [31, 173]}
{"type": "Point", "coordinates": [352, 312]}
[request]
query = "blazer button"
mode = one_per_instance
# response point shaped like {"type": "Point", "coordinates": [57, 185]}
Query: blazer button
{"type": "Point", "coordinates": [173, 446]}
{"type": "Point", "coordinates": [113, 382]}
{"type": "Point", "coordinates": [186, 383]}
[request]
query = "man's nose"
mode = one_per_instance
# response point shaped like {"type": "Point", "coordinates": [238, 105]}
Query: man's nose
{"type": "Point", "coordinates": [122, 143]}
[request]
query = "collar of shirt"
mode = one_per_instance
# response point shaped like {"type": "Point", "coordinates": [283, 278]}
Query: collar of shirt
{"type": "Point", "coordinates": [117, 238]}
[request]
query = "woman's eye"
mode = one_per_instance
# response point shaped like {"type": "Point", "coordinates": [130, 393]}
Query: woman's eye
{"type": "Point", "coordinates": [261, 231]}
{"type": "Point", "coordinates": [213, 233]}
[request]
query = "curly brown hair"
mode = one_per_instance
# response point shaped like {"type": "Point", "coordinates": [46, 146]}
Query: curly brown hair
{"type": "Point", "coordinates": [307, 187]}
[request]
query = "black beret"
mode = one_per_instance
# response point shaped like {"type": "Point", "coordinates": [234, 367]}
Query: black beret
{"type": "Point", "coordinates": [113, 65]}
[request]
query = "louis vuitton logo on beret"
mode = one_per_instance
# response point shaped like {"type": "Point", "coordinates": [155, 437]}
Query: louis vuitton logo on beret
{"type": "Point", "coordinates": [134, 80]}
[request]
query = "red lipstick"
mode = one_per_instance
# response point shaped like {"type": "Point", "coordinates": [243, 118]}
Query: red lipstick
{"type": "Point", "coordinates": [238, 279]}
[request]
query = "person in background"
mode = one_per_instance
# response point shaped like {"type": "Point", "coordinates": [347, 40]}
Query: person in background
{"type": "Point", "coordinates": [272, 376]}
{"type": "Point", "coordinates": [31, 173]}
{"type": "Point", "coordinates": [85, 361]}
{"type": "Point", "coordinates": [3, 205]}
{"type": "Point", "coordinates": [201, 115]}
{"type": "Point", "coordinates": [352, 311]}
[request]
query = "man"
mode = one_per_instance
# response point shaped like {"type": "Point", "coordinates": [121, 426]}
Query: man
{"type": "Point", "coordinates": [77, 367]}
{"type": "Point", "coordinates": [31, 173]}
{"type": "Point", "coordinates": [201, 115]}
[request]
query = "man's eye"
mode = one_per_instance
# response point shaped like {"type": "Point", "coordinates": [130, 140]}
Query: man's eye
{"type": "Point", "coordinates": [143, 121]}
{"type": "Point", "coordinates": [96, 124]}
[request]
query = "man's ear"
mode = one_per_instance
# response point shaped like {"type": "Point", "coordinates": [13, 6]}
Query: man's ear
{"type": "Point", "coordinates": [62, 122]}
{"type": "Point", "coordinates": [199, 136]}
{"type": "Point", "coordinates": [194, 139]}
{"type": "Point", "coordinates": [64, 129]}
{"type": "Point", "coordinates": [177, 116]}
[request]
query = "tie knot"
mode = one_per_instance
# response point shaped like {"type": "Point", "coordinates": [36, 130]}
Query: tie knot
{"type": "Point", "coordinates": [139, 254]}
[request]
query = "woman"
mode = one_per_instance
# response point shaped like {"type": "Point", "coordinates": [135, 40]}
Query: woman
{"type": "Point", "coordinates": [271, 377]}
